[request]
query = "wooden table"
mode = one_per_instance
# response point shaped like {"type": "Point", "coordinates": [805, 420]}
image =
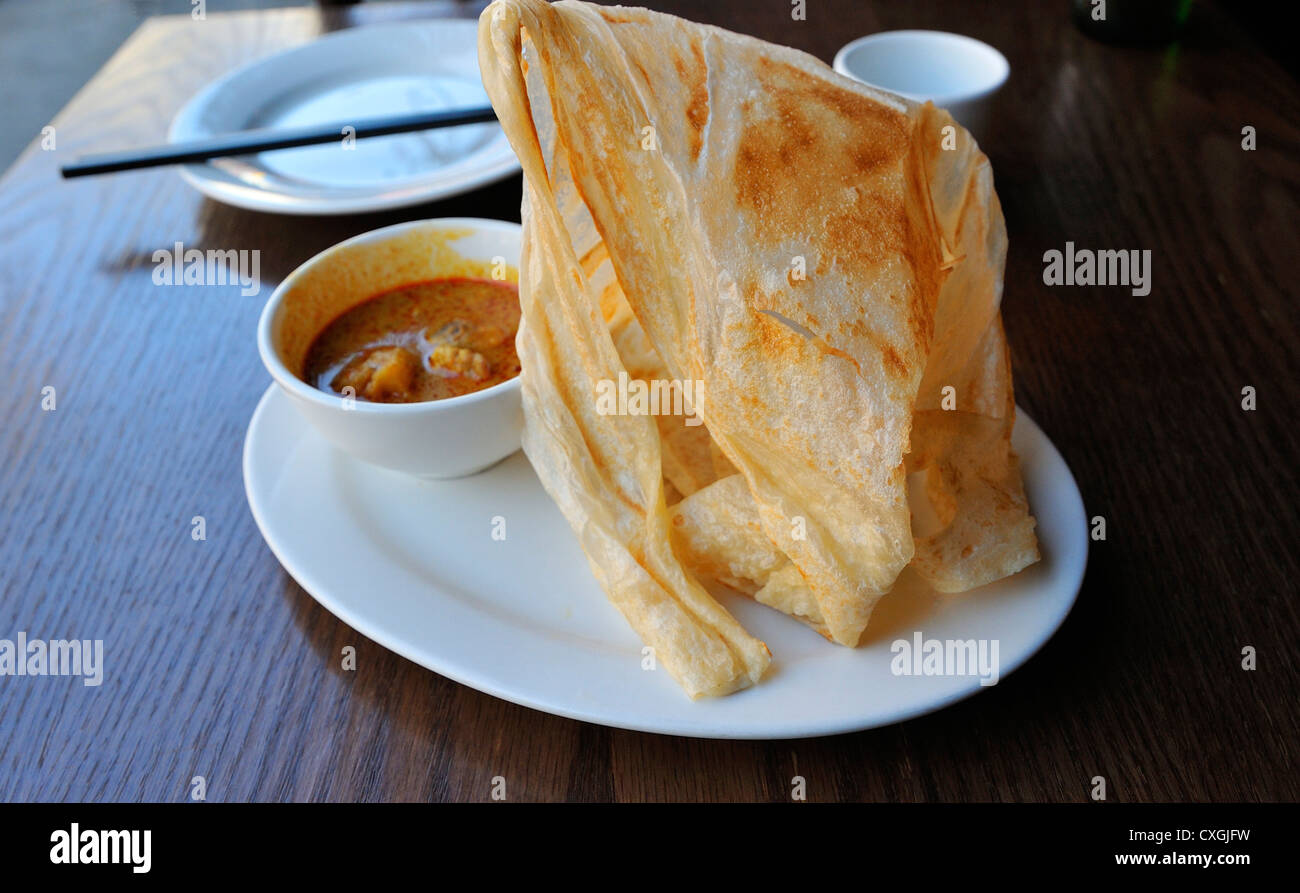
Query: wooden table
{"type": "Point", "coordinates": [219, 665]}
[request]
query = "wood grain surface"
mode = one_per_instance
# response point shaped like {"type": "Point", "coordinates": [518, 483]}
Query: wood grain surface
{"type": "Point", "coordinates": [218, 664]}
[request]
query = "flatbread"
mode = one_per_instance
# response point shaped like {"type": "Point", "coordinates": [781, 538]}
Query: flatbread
{"type": "Point", "coordinates": [704, 207]}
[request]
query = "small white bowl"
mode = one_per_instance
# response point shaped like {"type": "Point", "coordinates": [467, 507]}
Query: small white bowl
{"type": "Point", "coordinates": [955, 72]}
{"type": "Point", "coordinates": [435, 439]}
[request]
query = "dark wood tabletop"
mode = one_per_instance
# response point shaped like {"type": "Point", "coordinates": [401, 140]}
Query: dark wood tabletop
{"type": "Point", "coordinates": [217, 664]}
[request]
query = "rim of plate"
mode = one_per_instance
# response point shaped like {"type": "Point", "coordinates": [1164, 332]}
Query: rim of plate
{"type": "Point", "coordinates": [220, 186]}
{"type": "Point", "coordinates": [666, 725]}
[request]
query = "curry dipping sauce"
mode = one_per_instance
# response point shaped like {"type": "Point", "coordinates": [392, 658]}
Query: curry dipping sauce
{"type": "Point", "coordinates": [424, 341]}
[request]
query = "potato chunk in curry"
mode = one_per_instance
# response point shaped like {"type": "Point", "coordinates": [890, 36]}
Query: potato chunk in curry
{"type": "Point", "coordinates": [378, 375]}
{"type": "Point", "coordinates": [451, 360]}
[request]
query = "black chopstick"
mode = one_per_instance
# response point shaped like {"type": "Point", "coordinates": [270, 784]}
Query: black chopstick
{"type": "Point", "coordinates": [249, 142]}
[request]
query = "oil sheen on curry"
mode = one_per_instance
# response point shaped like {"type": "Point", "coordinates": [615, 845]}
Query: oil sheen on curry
{"type": "Point", "coordinates": [424, 341]}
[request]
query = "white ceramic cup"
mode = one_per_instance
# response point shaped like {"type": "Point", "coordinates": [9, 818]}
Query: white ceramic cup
{"type": "Point", "coordinates": [434, 439]}
{"type": "Point", "coordinates": [955, 72]}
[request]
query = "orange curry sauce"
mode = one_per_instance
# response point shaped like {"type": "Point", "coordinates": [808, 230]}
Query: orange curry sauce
{"type": "Point", "coordinates": [424, 341]}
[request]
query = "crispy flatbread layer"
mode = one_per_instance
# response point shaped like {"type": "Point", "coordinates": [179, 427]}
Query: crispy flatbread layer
{"type": "Point", "coordinates": [820, 260]}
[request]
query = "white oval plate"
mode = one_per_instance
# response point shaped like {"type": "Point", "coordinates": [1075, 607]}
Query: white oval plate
{"type": "Point", "coordinates": [356, 73]}
{"type": "Point", "coordinates": [413, 565]}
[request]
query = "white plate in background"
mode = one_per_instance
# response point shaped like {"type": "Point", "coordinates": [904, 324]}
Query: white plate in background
{"type": "Point", "coordinates": [349, 75]}
{"type": "Point", "coordinates": [413, 565]}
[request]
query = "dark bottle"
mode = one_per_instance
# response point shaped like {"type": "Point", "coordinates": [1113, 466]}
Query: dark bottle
{"type": "Point", "coordinates": [1131, 21]}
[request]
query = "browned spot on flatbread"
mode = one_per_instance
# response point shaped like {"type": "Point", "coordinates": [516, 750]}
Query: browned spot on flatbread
{"type": "Point", "coordinates": [894, 364]}
{"type": "Point", "coordinates": [620, 17]}
{"type": "Point", "coordinates": [636, 63]}
{"type": "Point", "coordinates": [825, 160]}
{"type": "Point", "coordinates": [924, 294]}
{"type": "Point", "coordinates": [776, 337]}
{"type": "Point", "coordinates": [693, 73]}
{"type": "Point", "coordinates": [822, 345]}
{"type": "Point", "coordinates": [804, 146]}
{"type": "Point", "coordinates": [594, 257]}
